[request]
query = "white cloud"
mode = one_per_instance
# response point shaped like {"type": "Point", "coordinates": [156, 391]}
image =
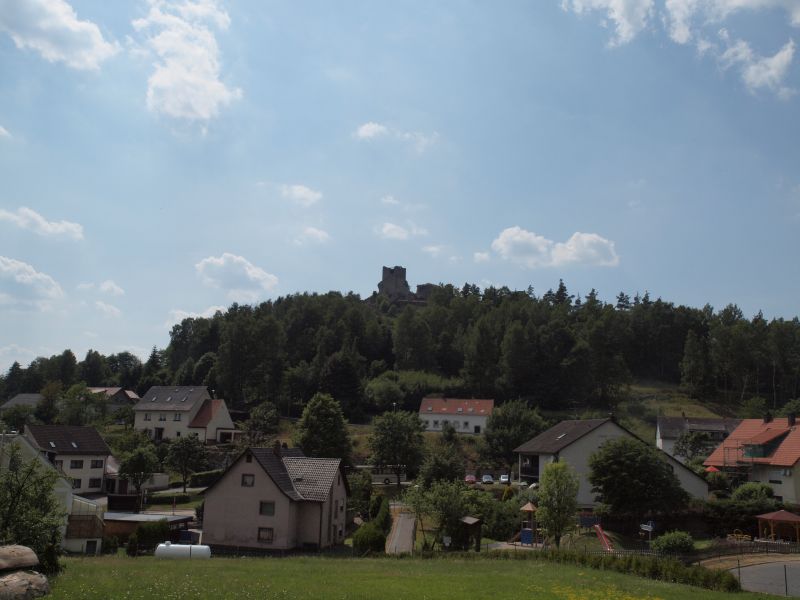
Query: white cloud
{"type": "Point", "coordinates": [108, 310]}
{"type": "Point", "coordinates": [244, 281]}
{"type": "Point", "coordinates": [52, 28]}
{"type": "Point", "coordinates": [186, 81]}
{"type": "Point", "coordinates": [759, 72]}
{"type": "Point", "coordinates": [390, 200]}
{"type": "Point", "coordinates": [434, 251]}
{"type": "Point", "coordinates": [480, 257]}
{"type": "Point", "coordinates": [4, 132]}
{"type": "Point", "coordinates": [14, 352]}
{"type": "Point", "coordinates": [629, 17]}
{"type": "Point", "coordinates": [532, 250]}
{"type": "Point", "coordinates": [176, 315]}
{"type": "Point", "coordinates": [313, 235]}
{"type": "Point", "coordinates": [21, 284]}
{"type": "Point", "coordinates": [109, 287]}
{"type": "Point", "coordinates": [370, 130]}
{"type": "Point", "coordinates": [681, 14]}
{"type": "Point", "coordinates": [300, 194]}
{"type": "Point", "coordinates": [26, 218]}
{"type": "Point", "coordinates": [390, 231]}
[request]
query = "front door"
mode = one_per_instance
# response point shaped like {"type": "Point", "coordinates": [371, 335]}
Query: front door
{"type": "Point", "coordinates": [91, 547]}
{"type": "Point", "coordinates": [159, 433]}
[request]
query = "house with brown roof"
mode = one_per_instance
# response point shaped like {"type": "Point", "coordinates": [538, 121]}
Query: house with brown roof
{"type": "Point", "coordinates": [116, 397]}
{"type": "Point", "coordinates": [465, 415]}
{"type": "Point", "coordinates": [277, 499]}
{"type": "Point", "coordinates": [78, 452]}
{"type": "Point", "coordinates": [669, 429]}
{"type": "Point", "coordinates": [29, 400]}
{"type": "Point", "coordinates": [170, 412]}
{"type": "Point", "coordinates": [764, 450]}
{"type": "Point", "coordinates": [574, 441]}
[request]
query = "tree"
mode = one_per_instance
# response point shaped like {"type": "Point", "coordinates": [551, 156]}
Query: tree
{"type": "Point", "coordinates": [397, 442]}
{"type": "Point", "coordinates": [753, 408]}
{"type": "Point", "coordinates": [263, 424]}
{"type": "Point", "coordinates": [692, 444]}
{"type": "Point", "coordinates": [360, 481]}
{"type": "Point", "coordinates": [138, 466]}
{"type": "Point", "coordinates": [30, 514]}
{"type": "Point", "coordinates": [18, 416]}
{"type": "Point", "coordinates": [322, 430]}
{"type": "Point", "coordinates": [187, 455]}
{"type": "Point", "coordinates": [632, 479]}
{"type": "Point", "coordinates": [558, 491]}
{"type": "Point", "coordinates": [47, 407]}
{"type": "Point", "coordinates": [508, 427]}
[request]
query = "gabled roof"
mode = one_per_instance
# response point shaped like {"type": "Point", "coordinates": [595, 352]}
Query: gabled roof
{"type": "Point", "coordinates": [756, 432]}
{"type": "Point", "coordinates": [274, 467]}
{"type": "Point", "coordinates": [68, 439]}
{"type": "Point", "coordinates": [113, 391]}
{"type": "Point", "coordinates": [456, 406]}
{"type": "Point", "coordinates": [206, 413]}
{"type": "Point", "coordinates": [673, 427]}
{"type": "Point", "coordinates": [172, 398]}
{"type": "Point", "coordinates": [560, 436]}
{"type": "Point", "coordinates": [23, 400]}
{"type": "Point", "coordinates": [312, 477]}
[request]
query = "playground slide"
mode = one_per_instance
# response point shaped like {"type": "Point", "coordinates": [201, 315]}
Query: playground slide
{"type": "Point", "coordinates": [604, 539]}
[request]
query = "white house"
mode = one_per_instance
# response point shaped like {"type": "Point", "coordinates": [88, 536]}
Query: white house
{"type": "Point", "coordinates": [78, 452]}
{"type": "Point", "coordinates": [574, 441]}
{"type": "Point", "coordinates": [275, 499]}
{"type": "Point", "coordinates": [669, 429]}
{"type": "Point", "coordinates": [169, 412]}
{"type": "Point", "coordinates": [466, 416]}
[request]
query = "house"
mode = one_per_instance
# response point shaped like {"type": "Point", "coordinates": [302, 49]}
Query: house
{"type": "Point", "coordinates": [764, 450]}
{"type": "Point", "coordinates": [169, 412]}
{"type": "Point", "coordinates": [466, 416]}
{"type": "Point", "coordinates": [119, 485]}
{"type": "Point", "coordinates": [116, 397]}
{"type": "Point", "coordinates": [82, 529]}
{"type": "Point", "coordinates": [78, 452]}
{"type": "Point", "coordinates": [669, 429]}
{"type": "Point", "coordinates": [276, 499]}
{"type": "Point", "coordinates": [30, 400]}
{"type": "Point", "coordinates": [574, 441]}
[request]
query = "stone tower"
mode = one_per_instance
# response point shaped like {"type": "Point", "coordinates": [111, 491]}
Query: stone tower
{"type": "Point", "coordinates": [393, 284]}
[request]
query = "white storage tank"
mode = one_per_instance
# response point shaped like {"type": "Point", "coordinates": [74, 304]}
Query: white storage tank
{"type": "Point", "coordinates": [168, 550]}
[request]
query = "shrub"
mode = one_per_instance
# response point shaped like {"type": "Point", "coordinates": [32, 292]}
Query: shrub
{"type": "Point", "coordinates": [369, 538]}
{"type": "Point", "coordinates": [718, 481]}
{"type": "Point", "coordinates": [110, 545]}
{"type": "Point", "coordinates": [204, 478]}
{"type": "Point", "coordinates": [48, 560]}
{"type": "Point", "coordinates": [752, 491]}
{"type": "Point", "coordinates": [674, 542]}
{"type": "Point", "coordinates": [149, 535]}
{"type": "Point", "coordinates": [132, 548]}
{"type": "Point", "coordinates": [375, 505]}
{"type": "Point", "coordinates": [199, 510]}
{"type": "Point", "coordinates": [168, 499]}
{"type": "Point", "coordinates": [383, 520]}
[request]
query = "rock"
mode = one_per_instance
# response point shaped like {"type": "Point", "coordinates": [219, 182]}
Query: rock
{"type": "Point", "coordinates": [13, 558]}
{"type": "Point", "coordinates": [23, 585]}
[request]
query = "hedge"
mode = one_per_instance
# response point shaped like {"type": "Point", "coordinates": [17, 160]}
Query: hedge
{"type": "Point", "coordinates": [205, 478]}
{"type": "Point", "coordinates": [369, 538]}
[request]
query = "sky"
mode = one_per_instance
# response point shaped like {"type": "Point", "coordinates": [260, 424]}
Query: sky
{"type": "Point", "coordinates": [164, 158]}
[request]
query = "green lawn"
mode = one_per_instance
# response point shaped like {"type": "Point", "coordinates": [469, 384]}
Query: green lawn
{"type": "Point", "coordinates": [331, 578]}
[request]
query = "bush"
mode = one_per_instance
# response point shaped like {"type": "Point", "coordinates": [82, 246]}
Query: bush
{"type": "Point", "coordinates": [204, 478]}
{"type": "Point", "coordinates": [674, 542]}
{"type": "Point", "coordinates": [383, 520]}
{"type": "Point", "coordinates": [110, 545]}
{"type": "Point", "coordinates": [168, 498]}
{"type": "Point", "coordinates": [150, 535]}
{"type": "Point", "coordinates": [48, 560]}
{"type": "Point", "coordinates": [718, 481]}
{"type": "Point", "coordinates": [375, 504]}
{"type": "Point", "coordinates": [132, 548]}
{"type": "Point", "coordinates": [199, 510]}
{"type": "Point", "coordinates": [752, 491]}
{"type": "Point", "coordinates": [369, 538]}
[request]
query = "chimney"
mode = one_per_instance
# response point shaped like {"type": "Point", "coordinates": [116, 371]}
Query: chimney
{"type": "Point", "coordinates": [276, 448]}
{"type": "Point", "coordinates": [791, 418]}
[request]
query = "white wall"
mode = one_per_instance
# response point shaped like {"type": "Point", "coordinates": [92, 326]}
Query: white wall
{"type": "Point", "coordinates": [787, 489]}
{"type": "Point", "coordinates": [85, 473]}
{"type": "Point", "coordinates": [461, 422]}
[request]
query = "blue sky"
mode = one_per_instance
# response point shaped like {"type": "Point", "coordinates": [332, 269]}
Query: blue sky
{"type": "Point", "coordinates": [162, 158]}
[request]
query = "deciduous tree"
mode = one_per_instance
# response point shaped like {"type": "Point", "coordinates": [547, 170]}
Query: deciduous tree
{"type": "Point", "coordinates": [322, 430]}
{"type": "Point", "coordinates": [187, 455]}
{"type": "Point", "coordinates": [397, 442]}
{"type": "Point", "coordinates": [558, 491]}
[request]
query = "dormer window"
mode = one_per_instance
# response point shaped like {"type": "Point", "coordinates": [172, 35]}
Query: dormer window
{"type": "Point", "coordinates": [561, 436]}
{"type": "Point", "coordinates": [460, 409]}
{"type": "Point", "coordinates": [184, 398]}
{"type": "Point", "coordinates": [169, 398]}
{"type": "Point", "coordinates": [52, 444]}
{"type": "Point", "coordinates": [153, 399]}
{"type": "Point", "coordinates": [74, 445]}
{"type": "Point", "coordinates": [470, 409]}
{"type": "Point", "coordinates": [430, 408]}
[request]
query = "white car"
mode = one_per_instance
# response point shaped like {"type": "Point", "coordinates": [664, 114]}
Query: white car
{"type": "Point", "coordinates": [487, 480]}
{"type": "Point", "coordinates": [505, 479]}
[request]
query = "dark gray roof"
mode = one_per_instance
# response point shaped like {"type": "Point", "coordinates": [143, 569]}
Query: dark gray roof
{"type": "Point", "coordinates": [173, 398]}
{"type": "Point", "coordinates": [673, 427]}
{"type": "Point", "coordinates": [68, 439]}
{"type": "Point", "coordinates": [312, 477]}
{"type": "Point", "coordinates": [559, 436]}
{"type": "Point", "coordinates": [23, 400]}
{"type": "Point", "coordinates": [276, 469]}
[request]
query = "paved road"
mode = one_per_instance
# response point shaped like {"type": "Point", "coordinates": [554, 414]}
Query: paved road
{"type": "Point", "coordinates": [401, 537]}
{"type": "Point", "coordinates": [769, 578]}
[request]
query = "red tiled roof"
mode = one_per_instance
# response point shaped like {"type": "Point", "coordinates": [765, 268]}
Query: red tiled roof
{"type": "Point", "coordinates": [451, 406]}
{"type": "Point", "coordinates": [756, 431]}
{"type": "Point", "coordinates": [206, 413]}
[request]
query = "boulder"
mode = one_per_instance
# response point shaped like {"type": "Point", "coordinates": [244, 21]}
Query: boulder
{"type": "Point", "coordinates": [13, 558]}
{"type": "Point", "coordinates": [23, 585]}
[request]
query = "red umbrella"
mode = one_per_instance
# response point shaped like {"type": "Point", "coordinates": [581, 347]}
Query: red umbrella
{"type": "Point", "coordinates": [712, 469]}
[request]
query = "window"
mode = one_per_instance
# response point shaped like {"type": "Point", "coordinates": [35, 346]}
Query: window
{"type": "Point", "coordinates": [466, 424]}
{"type": "Point", "coordinates": [76, 464]}
{"type": "Point", "coordinates": [177, 417]}
{"type": "Point", "coordinates": [786, 472]}
{"type": "Point", "coordinates": [266, 508]}
{"type": "Point", "coordinates": [436, 423]}
{"type": "Point", "coordinates": [177, 434]}
{"type": "Point", "coordinates": [265, 534]}
{"type": "Point", "coordinates": [76, 483]}
{"type": "Point", "coordinates": [162, 417]}
{"type": "Point", "coordinates": [146, 416]}
{"type": "Point", "coordinates": [248, 480]}
{"type": "Point", "coordinates": [95, 482]}
{"type": "Point", "coordinates": [97, 463]}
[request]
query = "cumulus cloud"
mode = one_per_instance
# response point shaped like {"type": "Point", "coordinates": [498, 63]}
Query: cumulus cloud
{"type": "Point", "coordinates": [313, 235]}
{"type": "Point", "coordinates": [244, 281]}
{"type": "Point", "coordinates": [629, 17]}
{"type": "Point", "coordinates": [371, 130]}
{"type": "Point", "coordinates": [108, 310]}
{"type": "Point", "coordinates": [757, 71]}
{"type": "Point", "coordinates": [390, 231]}
{"type": "Point", "coordinates": [480, 257]}
{"type": "Point", "coordinates": [4, 132]}
{"type": "Point", "coordinates": [533, 251]}
{"type": "Point", "coordinates": [21, 284]}
{"type": "Point", "coordinates": [301, 194]}
{"type": "Point", "coordinates": [111, 288]}
{"type": "Point", "coordinates": [176, 315]}
{"type": "Point", "coordinates": [26, 218]}
{"type": "Point", "coordinates": [434, 251]}
{"type": "Point", "coordinates": [186, 81]}
{"type": "Point", "coordinates": [52, 28]}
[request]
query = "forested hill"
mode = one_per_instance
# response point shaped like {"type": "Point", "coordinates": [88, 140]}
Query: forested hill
{"type": "Point", "coordinates": [557, 351]}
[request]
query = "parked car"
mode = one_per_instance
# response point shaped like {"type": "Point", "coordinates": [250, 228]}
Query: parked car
{"type": "Point", "coordinates": [505, 479]}
{"type": "Point", "coordinates": [487, 480]}
{"type": "Point", "coordinates": [470, 480]}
